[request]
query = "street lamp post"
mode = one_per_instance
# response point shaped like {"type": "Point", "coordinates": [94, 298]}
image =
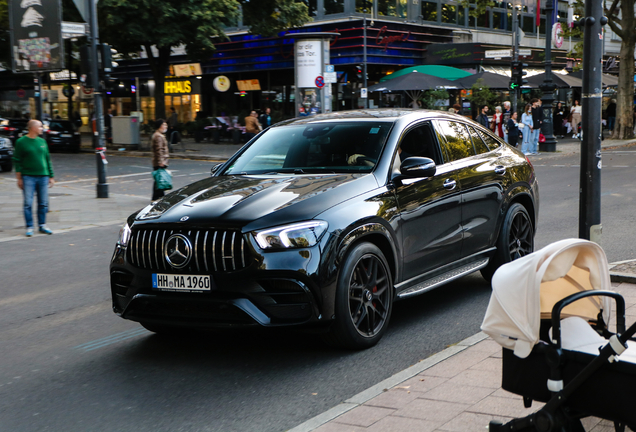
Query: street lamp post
{"type": "Point", "coordinates": [548, 86]}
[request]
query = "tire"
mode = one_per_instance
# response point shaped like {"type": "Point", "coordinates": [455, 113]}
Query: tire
{"type": "Point", "coordinates": [364, 299]}
{"type": "Point", "coordinates": [7, 167]}
{"type": "Point", "coordinates": [516, 239]}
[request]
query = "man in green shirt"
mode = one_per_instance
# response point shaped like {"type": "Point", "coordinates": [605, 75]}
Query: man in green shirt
{"type": "Point", "coordinates": [34, 172]}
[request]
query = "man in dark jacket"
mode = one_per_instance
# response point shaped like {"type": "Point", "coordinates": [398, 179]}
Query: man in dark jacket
{"type": "Point", "coordinates": [611, 115]}
{"type": "Point", "coordinates": [483, 117]}
{"type": "Point", "coordinates": [537, 120]}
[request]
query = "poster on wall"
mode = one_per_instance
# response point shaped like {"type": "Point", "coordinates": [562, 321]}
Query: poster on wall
{"type": "Point", "coordinates": [36, 36]}
{"type": "Point", "coordinates": [308, 62]}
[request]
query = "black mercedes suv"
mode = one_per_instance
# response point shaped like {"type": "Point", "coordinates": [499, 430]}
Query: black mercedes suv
{"type": "Point", "coordinates": [325, 221]}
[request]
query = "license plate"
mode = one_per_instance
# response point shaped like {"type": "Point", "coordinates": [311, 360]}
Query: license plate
{"type": "Point", "coordinates": [66, 135]}
{"type": "Point", "coordinates": [181, 283]}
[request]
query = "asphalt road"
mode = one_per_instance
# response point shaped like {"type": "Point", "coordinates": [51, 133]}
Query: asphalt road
{"type": "Point", "coordinates": [69, 364]}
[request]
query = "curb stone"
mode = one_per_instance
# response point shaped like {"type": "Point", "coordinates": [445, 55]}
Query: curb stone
{"type": "Point", "coordinates": [388, 383]}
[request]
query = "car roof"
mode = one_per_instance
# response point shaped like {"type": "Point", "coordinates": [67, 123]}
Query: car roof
{"type": "Point", "coordinates": [386, 114]}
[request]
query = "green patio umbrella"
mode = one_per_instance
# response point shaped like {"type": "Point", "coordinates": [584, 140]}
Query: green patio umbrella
{"type": "Point", "coordinates": [446, 72]}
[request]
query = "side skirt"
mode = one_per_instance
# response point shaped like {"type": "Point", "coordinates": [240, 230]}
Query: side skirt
{"type": "Point", "coordinates": [433, 282]}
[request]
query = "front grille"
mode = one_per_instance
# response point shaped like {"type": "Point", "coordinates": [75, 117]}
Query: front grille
{"type": "Point", "coordinates": [212, 250]}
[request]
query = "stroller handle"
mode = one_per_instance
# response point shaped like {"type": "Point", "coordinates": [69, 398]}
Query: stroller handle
{"type": "Point", "coordinates": [558, 307]}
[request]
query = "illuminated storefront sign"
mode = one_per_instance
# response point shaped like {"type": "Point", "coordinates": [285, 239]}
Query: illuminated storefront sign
{"type": "Point", "coordinates": [182, 87]}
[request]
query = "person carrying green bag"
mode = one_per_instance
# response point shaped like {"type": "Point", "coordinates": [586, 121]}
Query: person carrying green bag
{"type": "Point", "coordinates": [162, 177]}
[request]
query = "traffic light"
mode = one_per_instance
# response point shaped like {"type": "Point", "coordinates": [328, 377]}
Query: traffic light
{"type": "Point", "coordinates": [86, 75]}
{"type": "Point", "coordinates": [106, 61]}
{"type": "Point", "coordinates": [517, 73]}
{"type": "Point", "coordinates": [359, 69]}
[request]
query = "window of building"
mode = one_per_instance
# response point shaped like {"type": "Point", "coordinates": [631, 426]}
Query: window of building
{"type": "Point", "coordinates": [483, 20]}
{"type": "Point", "coordinates": [429, 11]}
{"type": "Point", "coordinates": [396, 8]}
{"type": "Point", "coordinates": [461, 16]}
{"type": "Point", "coordinates": [502, 20]}
{"type": "Point", "coordinates": [449, 13]}
{"type": "Point", "coordinates": [542, 26]}
{"type": "Point", "coordinates": [527, 23]}
{"type": "Point", "coordinates": [334, 6]}
{"type": "Point", "coordinates": [312, 6]}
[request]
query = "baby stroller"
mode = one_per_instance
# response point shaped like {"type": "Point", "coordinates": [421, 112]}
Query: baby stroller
{"type": "Point", "coordinates": [550, 311]}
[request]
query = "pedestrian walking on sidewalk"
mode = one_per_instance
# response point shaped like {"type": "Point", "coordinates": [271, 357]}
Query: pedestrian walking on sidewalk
{"type": "Point", "coordinates": [159, 153]}
{"type": "Point", "coordinates": [576, 112]}
{"type": "Point", "coordinates": [528, 123]}
{"type": "Point", "coordinates": [513, 130]}
{"type": "Point", "coordinates": [34, 172]}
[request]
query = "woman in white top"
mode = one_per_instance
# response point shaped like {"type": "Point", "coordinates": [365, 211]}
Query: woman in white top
{"type": "Point", "coordinates": [576, 111]}
{"type": "Point", "coordinates": [526, 120]}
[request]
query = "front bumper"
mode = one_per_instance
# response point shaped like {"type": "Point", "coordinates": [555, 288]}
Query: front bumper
{"type": "Point", "coordinates": [273, 289]}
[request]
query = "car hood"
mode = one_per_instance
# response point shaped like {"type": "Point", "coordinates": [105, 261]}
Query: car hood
{"type": "Point", "coordinates": [257, 201]}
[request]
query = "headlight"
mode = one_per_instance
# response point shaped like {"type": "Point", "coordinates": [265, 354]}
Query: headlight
{"type": "Point", "coordinates": [124, 235]}
{"type": "Point", "coordinates": [5, 143]}
{"type": "Point", "coordinates": [299, 235]}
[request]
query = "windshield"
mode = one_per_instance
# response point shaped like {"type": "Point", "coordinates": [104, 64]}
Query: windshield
{"type": "Point", "coordinates": [326, 147]}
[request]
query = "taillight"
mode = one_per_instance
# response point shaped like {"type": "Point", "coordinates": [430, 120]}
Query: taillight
{"type": "Point", "coordinates": [7, 128]}
{"type": "Point", "coordinates": [50, 132]}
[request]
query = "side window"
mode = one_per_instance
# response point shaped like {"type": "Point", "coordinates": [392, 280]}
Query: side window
{"type": "Point", "coordinates": [420, 141]}
{"type": "Point", "coordinates": [480, 147]}
{"type": "Point", "coordinates": [457, 141]}
{"type": "Point", "coordinates": [490, 141]}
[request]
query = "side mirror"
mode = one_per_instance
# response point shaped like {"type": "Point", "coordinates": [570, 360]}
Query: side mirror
{"type": "Point", "coordinates": [214, 169]}
{"type": "Point", "coordinates": [417, 167]}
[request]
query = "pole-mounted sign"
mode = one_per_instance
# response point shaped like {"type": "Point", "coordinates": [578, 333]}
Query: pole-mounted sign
{"type": "Point", "coordinates": [36, 36]}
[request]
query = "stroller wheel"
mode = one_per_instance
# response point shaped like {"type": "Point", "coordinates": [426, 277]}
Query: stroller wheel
{"type": "Point", "coordinates": [516, 239]}
{"type": "Point", "coordinates": [364, 299]}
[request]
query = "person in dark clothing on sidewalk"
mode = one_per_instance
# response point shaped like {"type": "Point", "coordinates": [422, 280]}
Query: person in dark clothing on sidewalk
{"type": "Point", "coordinates": [557, 120]}
{"type": "Point", "coordinates": [265, 119]}
{"type": "Point", "coordinates": [611, 115]}
{"type": "Point", "coordinates": [159, 153]}
{"type": "Point", "coordinates": [537, 120]}
{"type": "Point", "coordinates": [483, 117]}
{"type": "Point", "coordinates": [513, 130]}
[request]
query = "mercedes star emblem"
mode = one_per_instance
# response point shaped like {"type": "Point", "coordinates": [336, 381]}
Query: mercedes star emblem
{"type": "Point", "coordinates": [178, 251]}
{"type": "Point", "coordinates": [185, 218]}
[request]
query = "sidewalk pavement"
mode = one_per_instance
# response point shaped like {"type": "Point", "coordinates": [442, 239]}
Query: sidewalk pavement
{"type": "Point", "coordinates": [456, 390]}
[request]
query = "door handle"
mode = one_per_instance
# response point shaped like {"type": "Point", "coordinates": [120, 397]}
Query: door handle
{"type": "Point", "coordinates": [500, 169]}
{"type": "Point", "coordinates": [450, 184]}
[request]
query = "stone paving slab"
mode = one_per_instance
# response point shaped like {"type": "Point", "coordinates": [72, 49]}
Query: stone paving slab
{"type": "Point", "coordinates": [456, 390]}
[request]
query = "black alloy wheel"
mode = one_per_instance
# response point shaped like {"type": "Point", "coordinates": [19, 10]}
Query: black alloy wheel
{"type": "Point", "coordinates": [368, 296]}
{"type": "Point", "coordinates": [516, 239]}
{"type": "Point", "coordinates": [521, 235]}
{"type": "Point", "coordinates": [364, 299]}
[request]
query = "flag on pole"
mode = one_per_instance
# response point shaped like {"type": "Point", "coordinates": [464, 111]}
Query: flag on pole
{"type": "Point", "coordinates": [571, 13]}
{"type": "Point", "coordinates": [538, 20]}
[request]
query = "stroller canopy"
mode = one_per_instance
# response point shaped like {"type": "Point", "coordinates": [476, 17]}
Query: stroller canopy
{"type": "Point", "coordinates": [525, 290]}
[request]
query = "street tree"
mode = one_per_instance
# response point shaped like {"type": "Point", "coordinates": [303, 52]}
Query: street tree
{"type": "Point", "coordinates": [622, 21]}
{"type": "Point", "coordinates": [159, 26]}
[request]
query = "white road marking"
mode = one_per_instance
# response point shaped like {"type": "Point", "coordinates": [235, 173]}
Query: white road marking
{"type": "Point", "coordinates": [113, 339]}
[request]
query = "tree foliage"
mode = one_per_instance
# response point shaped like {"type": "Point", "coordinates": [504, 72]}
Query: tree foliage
{"type": "Point", "coordinates": [135, 25]}
{"type": "Point", "coordinates": [430, 97]}
{"type": "Point", "coordinates": [482, 95]}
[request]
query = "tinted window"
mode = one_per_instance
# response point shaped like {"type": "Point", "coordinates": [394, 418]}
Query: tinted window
{"type": "Point", "coordinates": [314, 148]}
{"type": "Point", "coordinates": [480, 147]}
{"type": "Point", "coordinates": [61, 126]}
{"type": "Point", "coordinates": [457, 141]}
{"type": "Point", "coordinates": [420, 141]}
{"type": "Point", "coordinates": [490, 141]}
